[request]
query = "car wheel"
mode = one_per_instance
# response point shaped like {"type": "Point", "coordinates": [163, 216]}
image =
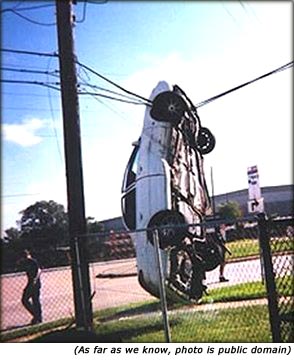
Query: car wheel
{"type": "Point", "coordinates": [186, 272]}
{"type": "Point", "coordinates": [171, 228]}
{"type": "Point", "coordinates": [205, 142]}
{"type": "Point", "coordinates": [168, 107]}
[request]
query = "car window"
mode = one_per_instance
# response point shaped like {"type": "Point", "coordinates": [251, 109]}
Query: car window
{"type": "Point", "coordinates": [131, 170]}
{"type": "Point", "coordinates": [129, 209]}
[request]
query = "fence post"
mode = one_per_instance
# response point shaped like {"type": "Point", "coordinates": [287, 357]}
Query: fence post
{"type": "Point", "coordinates": [161, 278]}
{"type": "Point", "coordinates": [272, 296]}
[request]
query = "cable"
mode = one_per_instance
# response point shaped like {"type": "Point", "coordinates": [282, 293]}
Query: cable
{"type": "Point", "coordinates": [27, 8]}
{"type": "Point", "coordinates": [31, 83]}
{"type": "Point", "coordinates": [31, 20]}
{"type": "Point", "coordinates": [128, 100]}
{"type": "Point", "coordinates": [84, 14]}
{"type": "Point", "coordinates": [111, 82]}
{"type": "Point", "coordinates": [27, 52]}
{"type": "Point", "coordinates": [95, 87]}
{"type": "Point", "coordinates": [52, 113]}
{"type": "Point", "coordinates": [118, 113]}
{"type": "Point", "coordinates": [18, 195]}
{"type": "Point", "coordinates": [101, 2]}
{"type": "Point", "coordinates": [28, 94]}
{"type": "Point", "coordinates": [283, 67]}
{"type": "Point", "coordinates": [9, 69]}
{"type": "Point", "coordinates": [112, 98]}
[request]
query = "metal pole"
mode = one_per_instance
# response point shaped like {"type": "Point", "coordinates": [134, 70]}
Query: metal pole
{"type": "Point", "coordinates": [73, 160]}
{"type": "Point", "coordinates": [212, 192]}
{"type": "Point", "coordinates": [162, 293]}
{"type": "Point", "coordinates": [269, 278]}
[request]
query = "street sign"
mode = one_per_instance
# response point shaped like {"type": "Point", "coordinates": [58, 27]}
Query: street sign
{"type": "Point", "coordinates": [256, 202]}
{"type": "Point", "coordinates": [256, 206]}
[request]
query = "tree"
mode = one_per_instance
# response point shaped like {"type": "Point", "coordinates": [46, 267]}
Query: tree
{"type": "Point", "coordinates": [230, 210]}
{"type": "Point", "coordinates": [94, 226]}
{"type": "Point", "coordinates": [44, 222]}
{"type": "Point", "coordinates": [12, 235]}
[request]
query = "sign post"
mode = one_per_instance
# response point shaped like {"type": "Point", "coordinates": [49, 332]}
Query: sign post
{"type": "Point", "coordinates": [255, 203]}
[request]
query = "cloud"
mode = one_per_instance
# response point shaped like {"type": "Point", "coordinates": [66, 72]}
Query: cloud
{"type": "Point", "coordinates": [23, 134]}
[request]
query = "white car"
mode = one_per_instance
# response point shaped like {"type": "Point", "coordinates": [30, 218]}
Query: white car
{"type": "Point", "coordinates": [164, 186]}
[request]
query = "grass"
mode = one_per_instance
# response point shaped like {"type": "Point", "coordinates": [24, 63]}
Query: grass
{"type": "Point", "coordinates": [142, 322]}
{"type": "Point", "coordinates": [250, 247]}
{"type": "Point", "coordinates": [35, 329]}
{"type": "Point", "coordinates": [137, 329]}
{"type": "Point", "coordinates": [249, 290]}
{"type": "Point", "coordinates": [129, 320]}
{"type": "Point", "coordinates": [213, 325]}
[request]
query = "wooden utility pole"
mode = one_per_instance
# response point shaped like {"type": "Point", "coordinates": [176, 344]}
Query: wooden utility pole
{"type": "Point", "coordinates": [73, 160]}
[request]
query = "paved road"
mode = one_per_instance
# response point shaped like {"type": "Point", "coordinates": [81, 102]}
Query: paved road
{"type": "Point", "coordinates": [57, 294]}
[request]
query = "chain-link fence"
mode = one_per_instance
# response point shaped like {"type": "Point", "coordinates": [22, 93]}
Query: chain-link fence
{"type": "Point", "coordinates": [234, 304]}
{"type": "Point", "coordinates": [56, 292]}
{"type": "Point", "coordinates": [281, 245]}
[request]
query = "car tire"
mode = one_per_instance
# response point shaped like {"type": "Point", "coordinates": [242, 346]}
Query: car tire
{"type": "Point", "coordinates": [168, 107]}
{"type": "Point", "coordinates": [205, 141]}
{"type": "Point", "coordinates": [174, 232]}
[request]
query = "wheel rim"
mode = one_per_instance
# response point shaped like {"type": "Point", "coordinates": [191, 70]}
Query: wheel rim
{"type": "Point", "coordinates": [168, 107]}
{"type": "Point", "coordinates": [205, 141]}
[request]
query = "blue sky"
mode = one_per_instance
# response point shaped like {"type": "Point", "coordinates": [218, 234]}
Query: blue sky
{"type": "Point", "coordinates": [205, 47]}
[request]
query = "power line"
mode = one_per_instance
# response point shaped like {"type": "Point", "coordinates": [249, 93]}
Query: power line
{"type": "Point", "coordinates": [201, 104]}
{"type": "Point", "coordinates": [84, 13]}
{"type": "Point", "coordinates": [53, 85]}
{"type": "Point", "coordinates": [95, 87]}
{"type": "Point", "coordinates": [18, 195]}
{"type": "Point", "coordinates": [27, 52]}
{"type": "Point", "coordinates": [19, 70]}
{"type": "Point", "coordinates": [33, 82]}
{"type": "Point", "coordinates": [28, 95]}
{"type": "Point", "coordinates": [26, 8]}
{"type": "Point", "coordinates": [283, 67]}
{"type": "Point", "coordinates": [118, 113]}
{"type": "Point", "coordinates": [111, 82]}
{"type": "Point", "coordinates": [31, 20]}
{"type": "Point", "coordinates": [112, 98]}
{"type": "Point", "coordinates": [97, 2]}
{"type": "Point", "coordinates": [53, 119]}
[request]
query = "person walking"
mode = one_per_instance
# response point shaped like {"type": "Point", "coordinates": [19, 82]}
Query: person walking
{"type": "Point", "coordinates": [221, 234]}
{"type": "Point", "coordinates": [31, 293]}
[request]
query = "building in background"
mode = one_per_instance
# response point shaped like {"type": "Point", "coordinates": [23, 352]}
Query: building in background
{"type": "Point", "coordinates": [278, 200]}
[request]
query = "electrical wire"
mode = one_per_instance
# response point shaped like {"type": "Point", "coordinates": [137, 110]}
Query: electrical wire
{"type": "Point", "coordinates": [112, 83]}
{"type": "Point", "coordinates": [95, 88]}
{"type": "Point", "coordinates": [53, 73]}
{"type": "Point", "coordinates": [84, 14]}
{"type": "Point", "coordinates": [112, 98]}
{"type": "Point", "coordinates": [31, 20]}
{"type": "Point", "coordinates": [97, 99]}
{"type": "Point", "coordinates": [53, 119]}
{"type": "Point", "coordinates": [283, 67]}
{"type": "Point", "coordinates": [148, 102]}
{"type": "Point", "coordinates": [27, 52]}
{"type": "Point", "coordinates": [22, 94]}
{"type": "Point", "coordinates": [98, 2]}
{"type": "Point", "coordinates": [32, 82]}
{"type": "Point", "coordinates": [18, 195]}
{"type": "Point", "coordinates": [35, 7]}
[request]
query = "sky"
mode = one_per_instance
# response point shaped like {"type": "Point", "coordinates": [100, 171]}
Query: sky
{"type": "Point", "coordinates": [206, 47]}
